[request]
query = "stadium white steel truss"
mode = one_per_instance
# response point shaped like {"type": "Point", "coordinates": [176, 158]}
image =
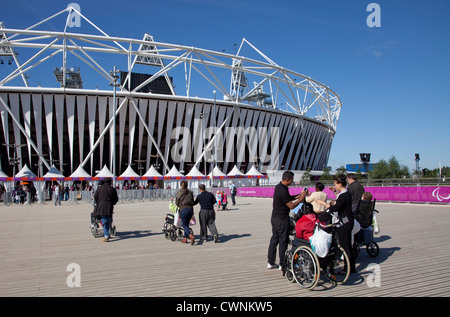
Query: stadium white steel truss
{"type": "Point", "coordinates": [265, 102]}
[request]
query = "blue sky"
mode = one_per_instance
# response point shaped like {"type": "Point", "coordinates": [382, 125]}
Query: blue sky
{"type": "Point", "coordinates": [393, 80]}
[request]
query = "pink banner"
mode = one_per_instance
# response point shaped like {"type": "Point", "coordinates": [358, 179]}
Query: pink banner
{"type": "Point", "coordinates": [425, 194]}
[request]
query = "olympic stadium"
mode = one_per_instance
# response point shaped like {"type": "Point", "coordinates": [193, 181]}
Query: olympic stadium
{"type": "Point", "coordinates": [82, 99]}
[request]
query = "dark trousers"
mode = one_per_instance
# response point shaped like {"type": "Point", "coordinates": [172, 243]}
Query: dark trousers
{"type": "Point", "coordinates": [207, 220]}
{"type": "Point", "coordinates": [344, 234]}
{"type": "Point", "coordinates": [233, 201]}
{"type": "Point", "coordinates": [280, 238]}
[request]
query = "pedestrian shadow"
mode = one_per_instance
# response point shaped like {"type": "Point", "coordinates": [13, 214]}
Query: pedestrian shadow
{"type": "Point", "coordinates": [134, 234]}
{"type": "Point", "coordinates": [225, 238]}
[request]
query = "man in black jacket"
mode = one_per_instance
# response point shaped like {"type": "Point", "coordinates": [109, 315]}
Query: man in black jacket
{"type": "Point", "coordinates": [283, 202]}
{"type": "Point", "coordinates": [356, 191]}
{"type": "Point", "coordinates": [207, 214]}
{"type": "Point", "coordinates": [105, 198]}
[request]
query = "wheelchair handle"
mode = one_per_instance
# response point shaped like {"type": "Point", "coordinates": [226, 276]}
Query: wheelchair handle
{"type": "Point", "coordinates": [337, 224]}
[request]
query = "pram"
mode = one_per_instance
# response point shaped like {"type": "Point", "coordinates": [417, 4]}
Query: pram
{"type": "Point", "coordinates": [172, 230]}
{"type": "Point", "coordinates": [97, 227]}
{"type": "Point", "coordinates": [364, 216]}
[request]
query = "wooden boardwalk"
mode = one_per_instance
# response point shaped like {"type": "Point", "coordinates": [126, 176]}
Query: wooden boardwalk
{"type": "Point", "coordinates": [38, 242]}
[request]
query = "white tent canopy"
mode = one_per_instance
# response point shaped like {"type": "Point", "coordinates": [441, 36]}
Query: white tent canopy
{"type": "Point", "coordinates": [129, 172]}
{"type": "Point", "coordinates": [171, 178]}
{"type": "Point", "coordinates": [217, 172]}
{"type": "Point", "coordinates": [80, 173]}
{"type": "Point", "coordinates": [194, 172]}
{"type": "Point", "coordinates": [217, 176]}
{"type": "Point", "coordinates": [25, 172]}
{"type": "Point", "coordinates": [152, 172]}
{"type": "Point", "coordinates": [235, 172]}
{"type": "Point", "coordinates": [174, 172]}
{"type": "Point", "coordinates": [7, 184]}
{"type": "Point", "coordinates": [53, 173]}
{"type": "Point", "coordinates": [105, 172]}
{"type": "Point", "coordinates": [253, 172]}
{"type": "Point", "coordinates": [240, 177]}
{"type": "Point", "coordinates": [2, 174]}
{"type": "Point", "coordinates": [194, 177]}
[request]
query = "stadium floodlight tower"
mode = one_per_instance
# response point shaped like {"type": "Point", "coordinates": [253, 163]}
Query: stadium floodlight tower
{"type": "Point", "coordinates": [265, 115]}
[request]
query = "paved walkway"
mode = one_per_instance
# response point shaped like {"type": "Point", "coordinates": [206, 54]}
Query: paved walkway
{"type": "Point", "coordinates": [39, 242]}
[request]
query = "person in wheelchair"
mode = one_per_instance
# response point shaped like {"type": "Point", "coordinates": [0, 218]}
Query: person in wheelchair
{"type": "Point", "coordinates": [304, 228]}
{"type": "Point", "coordinates": [364, 212]}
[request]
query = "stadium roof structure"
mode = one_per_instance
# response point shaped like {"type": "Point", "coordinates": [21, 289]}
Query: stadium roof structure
{"type": "Point", "coordinates": [273, 84]}
{"type": "Point", "coordinates": [252, 79]}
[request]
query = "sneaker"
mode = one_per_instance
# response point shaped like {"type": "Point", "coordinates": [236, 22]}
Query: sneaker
{"type": "Point", "coordinates": [105, 239]}
{"type": "Point", "coordinates": [216, 238]}
{"type": "Point", "coordinates": [272, 266]}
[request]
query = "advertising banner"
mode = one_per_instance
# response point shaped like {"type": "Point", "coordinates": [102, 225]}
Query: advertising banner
{"type": "Point", "coordinates": [424, 194]}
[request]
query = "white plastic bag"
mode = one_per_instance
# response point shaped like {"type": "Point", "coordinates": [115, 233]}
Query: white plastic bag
{"type": "Point", "coordinates": [376, 227]}
{"type": "Point", "coordinates": [177, 219]}
{"type": "Point", "coordinates": [320, 242]}
{"type": "Point", "coordinates": [355, 230]}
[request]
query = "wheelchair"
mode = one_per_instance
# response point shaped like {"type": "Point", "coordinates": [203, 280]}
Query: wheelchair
{"type": "Point", "coordinates": [304, 266]}
{"type": "Point", "coordinates": [171, 231]}
{"type": "Point", "coordinates": [365, 235]}
{"type": "Point", "coordinates": [97, 227]}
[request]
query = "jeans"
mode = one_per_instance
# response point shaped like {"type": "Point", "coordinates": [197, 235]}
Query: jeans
{"type": "Point", "coordinates": [185, 216]}
{"type": "Point", "coordinates": [280, 237]}
{"type": "Point", "coordinates": [106, 222]}
{"type": "Point", "coordinates": [57, 199]}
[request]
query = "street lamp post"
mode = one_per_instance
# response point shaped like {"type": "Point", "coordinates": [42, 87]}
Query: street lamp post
{"type": "Point", "coordinates": [14, 160]}
{"type": "Point", "coordinates": [114, 84]}
{"type": "Point", "coordinates": [215, 140]}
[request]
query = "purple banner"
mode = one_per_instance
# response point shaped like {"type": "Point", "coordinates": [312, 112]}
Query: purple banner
{"type": "Point", "coordinates": [430, 194]}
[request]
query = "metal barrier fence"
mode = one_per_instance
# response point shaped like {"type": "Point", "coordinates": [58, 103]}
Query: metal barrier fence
{"type": "Point", "coordinates": [125, 196]}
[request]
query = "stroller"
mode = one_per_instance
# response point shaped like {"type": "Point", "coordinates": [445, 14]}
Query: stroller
{"type": "Point", "coordinates": [364, 237]}
{"type": "Point", "coordinates": [97, 227]}
{"type": "Point", "coordinates": [171, 226]}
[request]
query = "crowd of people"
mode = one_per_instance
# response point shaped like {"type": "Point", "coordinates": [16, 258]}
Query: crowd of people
{"type": "Point", "coordinates": [185, 202]}
{"type": "Point", "coordinates": [105, 197]}
{"type": "Point", "coordinates": [348, 205]}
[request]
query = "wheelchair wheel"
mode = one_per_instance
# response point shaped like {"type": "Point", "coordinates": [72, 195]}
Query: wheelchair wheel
{"type": "Point", "coordinates": [172, 232]}
{"type": "Point", "coordinates": [373, 249]}
{"type": "Point", "coordinates": [339, 269]}
{"type": "Point", "coordinates": [172, 235]}
{"type": "Point", "coordinates": [166, 230]}
{"type": "Point", "coordinates": [94, 230]}
{"type": "Point", "coordinates": [288, 272]}
{"type": "Point", "coordinates": [290, 276]}
{"type": "Point", "coordinates": [305, 267]}
{"type": "Point", "coordinates": [112, 231]}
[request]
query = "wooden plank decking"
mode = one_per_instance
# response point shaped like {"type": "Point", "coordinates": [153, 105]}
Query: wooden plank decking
{"type": "Point", "coordinates": [38, 242]}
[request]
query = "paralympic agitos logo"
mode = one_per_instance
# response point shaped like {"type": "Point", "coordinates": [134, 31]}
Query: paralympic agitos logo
{"type": "Point", "coordinates": [438, 196]}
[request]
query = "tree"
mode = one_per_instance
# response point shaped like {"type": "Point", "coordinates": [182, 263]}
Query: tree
{"type": "Point", "coordinates": [445, 171]}
{"type": "Point", "coordinates": [341, 170]}
{"type": "Point", "coordinates": [306, 177]}
{"type": "Point", "coordinates": [326, 176]}
{"type": "Point", "coordinates": [389, 169]}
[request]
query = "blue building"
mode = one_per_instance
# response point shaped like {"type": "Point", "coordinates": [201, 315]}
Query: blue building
{"type": "Point", "coordinates": [363, 168]}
